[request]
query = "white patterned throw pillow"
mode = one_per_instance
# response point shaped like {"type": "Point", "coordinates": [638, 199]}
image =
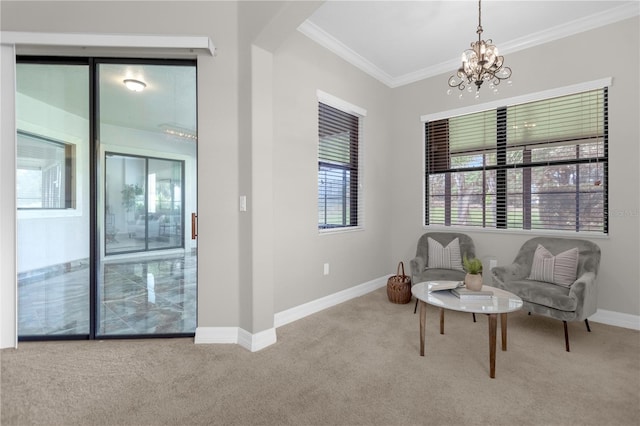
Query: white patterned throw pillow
{"type": "Point", "coordinates": [444, 257]}
{"type": "Point", "coordinates": [560, 269]}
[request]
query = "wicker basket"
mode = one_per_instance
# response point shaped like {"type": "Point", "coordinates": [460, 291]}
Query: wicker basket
{"type": "Point", "coordinates": [399, 286]}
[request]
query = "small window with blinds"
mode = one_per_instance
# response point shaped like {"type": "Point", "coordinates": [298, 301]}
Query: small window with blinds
{"type": "Point", "coordinates": [539, 166]}
{"type": "Point", "coordinates": [338, 168]}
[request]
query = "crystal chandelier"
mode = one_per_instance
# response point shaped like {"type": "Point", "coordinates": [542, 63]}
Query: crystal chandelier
{"type": "Point", "coordinates": [480, 63]}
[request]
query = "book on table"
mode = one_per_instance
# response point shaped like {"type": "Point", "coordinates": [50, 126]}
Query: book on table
{"type": "Point", "coordinates": [466, 294]}
{"type": "Point", "coordinates": [443, 285]}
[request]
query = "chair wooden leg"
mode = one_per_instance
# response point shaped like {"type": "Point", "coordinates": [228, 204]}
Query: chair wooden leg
{"type": "Point", "coordinates": [566, 336]}
{"type": "Point", "coordinates": [416, 307]}
{"type": "Point", "coordinates": [586, 321]}
{"type": "Point", "coordinates": [474, 317]}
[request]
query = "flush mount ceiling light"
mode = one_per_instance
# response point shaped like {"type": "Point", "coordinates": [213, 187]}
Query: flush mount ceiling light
{"type": "Point", "coordinates": [172, 129]}
{"type": "Point", "coordinates": [135, 85]}
{"type": "Point", "coordinates": [480, 63]}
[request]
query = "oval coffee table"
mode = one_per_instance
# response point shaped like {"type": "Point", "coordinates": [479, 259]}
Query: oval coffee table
{"type": "Point", "coordinates": [502, 302]}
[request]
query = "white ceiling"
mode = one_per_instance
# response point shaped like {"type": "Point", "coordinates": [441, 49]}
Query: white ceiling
{"type": "Point", "coordinates": [399, 42]}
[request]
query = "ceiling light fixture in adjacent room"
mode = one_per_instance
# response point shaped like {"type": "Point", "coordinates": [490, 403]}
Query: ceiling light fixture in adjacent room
{"type": "Point", "coordinates": [172, 129]}
{"type": "Point", "coordinates": [134, 85]}
{"type": "Point", "coordinates": [480, 63]}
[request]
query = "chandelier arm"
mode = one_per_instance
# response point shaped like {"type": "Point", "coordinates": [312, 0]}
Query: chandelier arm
{"type": "Point", "coordinates": [454, 83]}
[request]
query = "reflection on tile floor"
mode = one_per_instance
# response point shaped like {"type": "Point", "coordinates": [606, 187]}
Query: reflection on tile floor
{"type": "Point", "coordinates": [144, 296]}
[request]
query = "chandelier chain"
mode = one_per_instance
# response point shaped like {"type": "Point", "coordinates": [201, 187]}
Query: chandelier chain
{"type": "Point", "coordinates": [479, 30]}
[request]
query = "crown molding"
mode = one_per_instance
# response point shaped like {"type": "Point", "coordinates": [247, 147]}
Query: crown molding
{"type": "Point", "coordinates": [577, 26]}
{"type": "Point", "coordinates": [555, 33]}
{"type": "Point", "coordinates": [444, 67]}
{"type": "Point", "coordinates": [326, 40]}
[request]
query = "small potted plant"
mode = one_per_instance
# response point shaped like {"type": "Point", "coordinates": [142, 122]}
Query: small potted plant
{"type": "Point", "coordinates": [473, 267]}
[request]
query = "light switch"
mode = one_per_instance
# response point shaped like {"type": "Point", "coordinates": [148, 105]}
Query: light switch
{"type": "Point", "coordinates": [243, 203]}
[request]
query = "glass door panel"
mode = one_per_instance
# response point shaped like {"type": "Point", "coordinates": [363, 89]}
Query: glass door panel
{"type": "Point", "coordinates": [53, 201]}
{"type": "Point", "coordinates": [165, 214]}
{"type": "Point", "coordinates": [146, 279]}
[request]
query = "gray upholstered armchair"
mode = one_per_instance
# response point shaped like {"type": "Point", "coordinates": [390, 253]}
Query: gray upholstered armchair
{"type": "Point", "coordinates": [422, 271]}
{"type": "Point", "coordinates": [569, 298]}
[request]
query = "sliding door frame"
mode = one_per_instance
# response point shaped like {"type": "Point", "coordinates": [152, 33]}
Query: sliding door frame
{"type": "Point", "coordinates": [46, 43]}
{"type": "Point", "coordinates": [147, 158]}
{"type": "Point", "coordinates": [95, 171]}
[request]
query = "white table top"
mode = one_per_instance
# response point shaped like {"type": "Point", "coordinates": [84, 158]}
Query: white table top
{"type": "Point", "coordinates": [501, 302]}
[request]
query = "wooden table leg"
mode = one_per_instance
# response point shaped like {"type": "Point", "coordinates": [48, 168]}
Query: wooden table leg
{"type": "Point", "coordinates": [503, 329]}
{"type": "Point", "coordinates": [423, 320]}
{"type": "Point", "coordinates": [441, 320]}
{"type": "Point", "coordinates": [493, 328]}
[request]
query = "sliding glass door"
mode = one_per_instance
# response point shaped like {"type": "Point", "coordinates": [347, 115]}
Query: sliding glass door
{"type": "Point", "coordinates": [143, 204]}
{"type": "Point", "coordinates": [146, 128]}
{"type": "Point", "coordinates": [104, 227]}
{"type": "Point", "coordinates": [53, 198]}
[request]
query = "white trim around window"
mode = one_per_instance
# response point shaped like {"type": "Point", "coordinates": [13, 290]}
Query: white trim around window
{"type": "Point", "coordinates": [338, 103]}
{"type": "Point", "coordinates": [328, 101]}
{"type": "Point", "coordinates": [517, 100]}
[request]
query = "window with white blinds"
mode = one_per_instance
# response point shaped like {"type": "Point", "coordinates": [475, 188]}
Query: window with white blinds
{"type": "Point", "coordinates": [539, 165]}
{"type": "Point", "coordinates": [338, 168]}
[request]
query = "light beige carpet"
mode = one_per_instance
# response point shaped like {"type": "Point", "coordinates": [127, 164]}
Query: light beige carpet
{"type": "Point", "coordinates": [354, 364]}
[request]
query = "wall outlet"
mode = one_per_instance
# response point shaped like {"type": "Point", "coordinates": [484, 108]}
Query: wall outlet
{"type": "Point", "coordinates": [326, 269]}
{"type": "Point", "coordinates": [492, 264]}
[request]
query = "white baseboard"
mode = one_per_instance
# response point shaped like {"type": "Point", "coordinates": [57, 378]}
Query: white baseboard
{"type": "Point", "coordinates": [255, 342]}
{"type": "Point", "coordinates": [616, 318]}
{"type": "Point", "coordinates": [216, 335]}
{"type": "Point", "coordinates": [262, 339]}
{"type": "Point", "coordinates": [236, 335]}
{"type": "Point", "coordinates": [298, 312]}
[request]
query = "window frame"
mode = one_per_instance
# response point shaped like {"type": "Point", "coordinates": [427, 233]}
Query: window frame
{"type": "Point", "coordinates": [355, 167]}
{"type": "Point", "coordinates": [501, 149]}
{"type": "Point", "coordinates": [67, 193]}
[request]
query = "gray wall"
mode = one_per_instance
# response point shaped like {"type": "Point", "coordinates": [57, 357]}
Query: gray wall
{"type": "Point", "coordinates": [301, 67]}
{"type": "Point", "coordinates": [561, 63]}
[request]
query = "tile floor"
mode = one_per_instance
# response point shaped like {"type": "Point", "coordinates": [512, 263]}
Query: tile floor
{"type": "Point", "coordinates": [135, 297]}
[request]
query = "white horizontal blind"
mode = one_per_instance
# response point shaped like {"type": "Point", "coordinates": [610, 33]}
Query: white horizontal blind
{"type": "Point", "coordinates": [539, 165]}
{"type": "Point", "coordinates": [338, 168]}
